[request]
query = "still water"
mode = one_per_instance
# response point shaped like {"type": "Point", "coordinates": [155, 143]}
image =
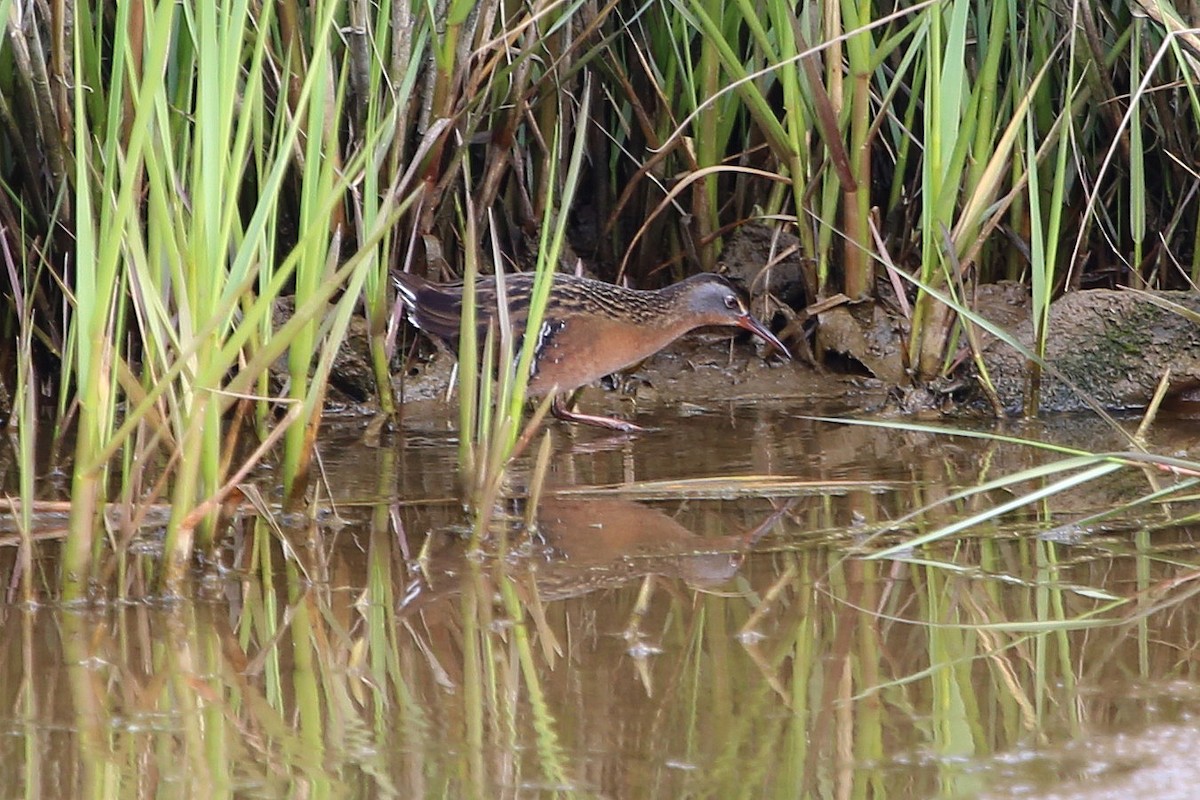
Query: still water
{"type": "Point", "coordinates": [695, 615]}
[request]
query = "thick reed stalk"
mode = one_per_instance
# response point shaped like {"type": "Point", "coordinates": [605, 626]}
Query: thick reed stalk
{"type": "Point", "coordinates": [858, 263]}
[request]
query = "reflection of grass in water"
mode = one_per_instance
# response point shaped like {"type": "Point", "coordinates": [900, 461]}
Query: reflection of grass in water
{"type": "Point", "coordinates": [1032, 652]}
{"type": "Point", "coordinates": [1078, 468]}
{"type": "Point", "coordinates": [820, 670]}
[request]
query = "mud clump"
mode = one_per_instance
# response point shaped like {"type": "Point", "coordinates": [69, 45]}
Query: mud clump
{"type": "Point", "coordinates": [1111, 346]}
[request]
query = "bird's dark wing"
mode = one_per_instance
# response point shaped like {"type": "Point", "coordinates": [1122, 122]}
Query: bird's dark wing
{"type": "Point", "coordinates": [436, 308]}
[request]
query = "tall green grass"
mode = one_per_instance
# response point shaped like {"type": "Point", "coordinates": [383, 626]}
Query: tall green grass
{"type": "Point", "coordinates": [224, 155]}
{"type": "Point", "coordinates": [493, 400]}
{"type": "Point", "coordinates": [240, 165]}
{"type": "Point", "coordinates": [184, 175]}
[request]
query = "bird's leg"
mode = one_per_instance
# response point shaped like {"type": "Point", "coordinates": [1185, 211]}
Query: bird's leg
{"type": "Point", "coordinates": [559, 409]}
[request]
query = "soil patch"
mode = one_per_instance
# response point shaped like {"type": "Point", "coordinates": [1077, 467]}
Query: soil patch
{"type": "Point", "coordinates": [1111, 346]}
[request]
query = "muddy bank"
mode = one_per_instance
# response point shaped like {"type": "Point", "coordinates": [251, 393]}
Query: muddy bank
{"type": "Point", "coordinates": [696, 373]}
{"type": "Point", "coordinates": [1111, 346]}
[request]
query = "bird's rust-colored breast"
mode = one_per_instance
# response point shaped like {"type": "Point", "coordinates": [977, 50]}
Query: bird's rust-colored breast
{"type": "Point", "coordinates": [579, 349]}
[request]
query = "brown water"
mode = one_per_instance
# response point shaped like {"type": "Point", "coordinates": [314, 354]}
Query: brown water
{"type": "Point", "coordinates": [694, 618]}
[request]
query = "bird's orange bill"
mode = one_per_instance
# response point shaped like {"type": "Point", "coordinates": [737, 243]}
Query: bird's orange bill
{"type": "Point", "coordinates": [758, 329]}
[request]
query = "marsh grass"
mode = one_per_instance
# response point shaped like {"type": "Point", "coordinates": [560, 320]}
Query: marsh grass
{"type": "Point", "coordinates": [205, 160]}
{"type": "Point", "coordinates": [225, 155]}
{"type": "Point", "coordinates": [493, 400]}
{"type": "Point", "coordinates": [178, 265]}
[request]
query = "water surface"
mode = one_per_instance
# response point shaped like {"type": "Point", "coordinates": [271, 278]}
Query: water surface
{"type": "Point", "coordinates": [693, 616]}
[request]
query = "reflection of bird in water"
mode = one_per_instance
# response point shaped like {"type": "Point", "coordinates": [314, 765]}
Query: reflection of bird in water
{"type": "Point", "coordinates": [601, 543]}
{"type": "Point", "coordinates": [587, 544]}
{"type": "Point", "coordinates": [590, 328]}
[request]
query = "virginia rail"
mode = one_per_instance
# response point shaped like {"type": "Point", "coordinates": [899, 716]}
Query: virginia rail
{"type": "Point", "coordinates": [590, 328]}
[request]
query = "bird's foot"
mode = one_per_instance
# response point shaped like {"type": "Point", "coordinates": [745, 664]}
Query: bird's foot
{"type": "Point", "coordinates": [560, 411]}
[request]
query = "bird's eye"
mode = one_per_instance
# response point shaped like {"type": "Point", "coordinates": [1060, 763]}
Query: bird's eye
{"type": "Point", "coordinates": [731, 302]}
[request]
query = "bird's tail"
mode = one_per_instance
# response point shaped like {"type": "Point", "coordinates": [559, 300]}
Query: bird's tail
{"type": "Point", "coordinates": [407, 286]}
